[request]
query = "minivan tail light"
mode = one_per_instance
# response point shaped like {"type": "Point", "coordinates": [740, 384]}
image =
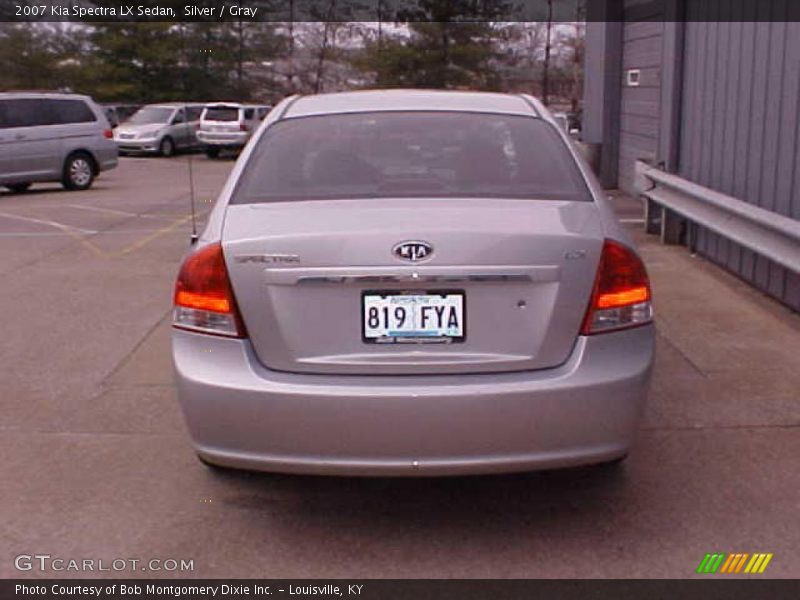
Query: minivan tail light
{"type": "Point", "coordinates": [108, 133]}
{"type": "Point", "coordinates": [204, 299]}
{"type": "Point", "coordinates": [621, 296]}
{"type": "Point", "coordinates": [243, 127]}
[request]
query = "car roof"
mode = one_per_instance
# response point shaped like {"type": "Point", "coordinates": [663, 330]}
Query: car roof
{"type": "Point", "coordinates": [409, 100]}
{"type": "Point", "coordinates": [233, 104]}
{"type": "Point", "coordinates": [172, 104]}
{"type": "Point", "coordinates": [43, 95]}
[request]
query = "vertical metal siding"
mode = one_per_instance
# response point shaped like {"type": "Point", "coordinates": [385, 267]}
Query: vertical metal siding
{"type": "Point", "coordinates": [740, 130]}
{"type": "Point", "coordinates": [640, 106]}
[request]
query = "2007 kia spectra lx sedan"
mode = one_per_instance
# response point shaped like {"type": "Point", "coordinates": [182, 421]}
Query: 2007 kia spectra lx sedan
{"type": "Point", "coordinates": [411, 283]}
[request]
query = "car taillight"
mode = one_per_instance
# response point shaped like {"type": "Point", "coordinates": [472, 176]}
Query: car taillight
{"type": "Point", "coordinates": [204, 300]}
{"type": "Point", "coordinates": [621, 295]}
{"type": "Point", "coordinates": [107, 133]}
{"type": "Point", "coordinates": [243, 127]}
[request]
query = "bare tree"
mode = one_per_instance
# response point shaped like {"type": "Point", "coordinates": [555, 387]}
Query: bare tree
{"type": "Point", "coordinates": [547, 47]}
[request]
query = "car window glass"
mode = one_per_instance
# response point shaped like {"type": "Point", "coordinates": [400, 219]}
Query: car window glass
{"type": "Point", "coordinates": [25, 112]}
{"type": "Point", "coordinates": [411, 154]}
{"type": "Point", "coordinates": [151, 115]}
{"type": "Point", "coordinates": [248, 113]}
{"type": "Point", "coordinates": [69, 111]}
{"type": "Point", "coordinates": [222, 113]}
{"type": "Point", "coordinates": [193, 112]}
{"type": "Point", "coordinates": [178, 118]}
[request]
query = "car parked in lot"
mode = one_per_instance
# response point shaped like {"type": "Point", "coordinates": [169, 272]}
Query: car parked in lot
{"type": "Point", "coordinates": [160, 129]}
{"type": "Point", "coordinates": [228, 126]}
{"type": "Point", "coordinates": [53, 137]}
{"type": "Point", "coordinates": [110, 111]}
{"type": "Point", "coordinates": [412, 283]}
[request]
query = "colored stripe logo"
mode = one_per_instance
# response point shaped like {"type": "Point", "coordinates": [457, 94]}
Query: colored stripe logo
{"type": "Point", "coordinates": [738, 562]}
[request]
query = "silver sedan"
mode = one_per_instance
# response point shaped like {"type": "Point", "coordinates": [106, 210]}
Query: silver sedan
{"type": "Point", "coordinates": [411, 283]}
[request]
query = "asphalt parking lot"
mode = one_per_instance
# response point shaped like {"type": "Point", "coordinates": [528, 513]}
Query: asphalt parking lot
{"type": "Point", "coordinates": [97, 464]}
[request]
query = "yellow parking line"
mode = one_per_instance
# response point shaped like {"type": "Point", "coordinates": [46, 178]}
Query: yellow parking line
{"type": "Point", "coordinates": [125, 213]}
{"type": "Point", "coordinates": [75, 233]}
{"type": "Point", "coordinates": [147, 239]}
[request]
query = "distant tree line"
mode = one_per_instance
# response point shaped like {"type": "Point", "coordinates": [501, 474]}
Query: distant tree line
{"type": "Point", "coordinates": [148, 62]}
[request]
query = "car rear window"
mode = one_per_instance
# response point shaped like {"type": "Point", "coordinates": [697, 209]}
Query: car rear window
{"type": "Point", "coordinates": [410, 154]}
{"type": "Point", "coordinates": [222, 113]}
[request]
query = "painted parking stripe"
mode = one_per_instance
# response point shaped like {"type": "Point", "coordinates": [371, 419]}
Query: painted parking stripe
{"type": "Point", "coordinates": [33, 234]}
{"type": "Point", "coordinates": [56, 224]}
{"type": "Point", "coordinates": [104, 210]}
{"type": "Point", "coordinates": [124, 213]}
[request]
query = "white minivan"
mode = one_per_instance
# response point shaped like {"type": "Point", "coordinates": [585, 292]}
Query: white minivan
{"type": "Point", "coordinates": [226, 125]}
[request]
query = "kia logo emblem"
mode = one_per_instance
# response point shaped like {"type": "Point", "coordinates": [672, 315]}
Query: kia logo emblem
{"type": "Point", "coordinates": [413, 250]}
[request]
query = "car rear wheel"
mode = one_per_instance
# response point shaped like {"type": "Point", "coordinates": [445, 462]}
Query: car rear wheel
{"type": "Point", "coordinates": [212, 152]}
{"type": "Point", "coordinates": [167, 147]}
{"type": "Point", "coordinates": [18, 188]}
{"type": "Point", "coordinates": [78, 172]}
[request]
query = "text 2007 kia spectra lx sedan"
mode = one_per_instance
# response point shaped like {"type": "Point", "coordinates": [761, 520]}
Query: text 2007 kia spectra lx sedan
{"type": "Point", "coordinates": [411, 283]}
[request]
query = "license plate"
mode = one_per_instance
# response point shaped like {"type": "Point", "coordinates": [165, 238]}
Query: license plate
{"type": "Point", "coordinates": [392, 317]}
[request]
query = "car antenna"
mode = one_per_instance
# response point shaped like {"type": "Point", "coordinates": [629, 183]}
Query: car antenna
{"type": "Point", "coordinates": [193, 239]}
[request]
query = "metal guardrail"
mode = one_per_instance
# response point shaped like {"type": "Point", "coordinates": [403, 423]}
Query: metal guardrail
{"type": "Point", "coordinates": [672, 199]}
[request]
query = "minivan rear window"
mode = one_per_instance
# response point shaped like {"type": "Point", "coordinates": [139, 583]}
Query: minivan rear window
{"type": "Point", "coordinates": [222, 113]}
{"type": "Point", "coordinates": [410, 154]}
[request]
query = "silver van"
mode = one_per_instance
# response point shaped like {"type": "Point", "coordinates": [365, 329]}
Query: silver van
{"type": "Point", "coordinates": [226, 125]}
{"type": "Point", "coordinates": [53, 137]}
{"type": "Point", "coordinates": [160, 129]}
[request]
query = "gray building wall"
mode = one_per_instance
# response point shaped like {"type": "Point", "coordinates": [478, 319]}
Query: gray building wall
{"type": "Point", "coordinates": [740, 131]}
{"type": "Point", "coordinates": [640, 104]}
{"type": "Point", "coordinates": [717, 102]}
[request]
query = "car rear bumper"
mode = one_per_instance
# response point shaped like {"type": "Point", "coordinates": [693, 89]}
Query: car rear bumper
{"type": "Point", "coordinates": [241, 414]}
{"type": "Point", "coordinates": [223, 139]}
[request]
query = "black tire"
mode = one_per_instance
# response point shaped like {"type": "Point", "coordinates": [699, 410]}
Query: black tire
{"type": "Point", "coordinates": [79, 172]}
{"type": "Point", "coordinates": [212, 152]}
{"type": "Point", "coordinates": [18, 188]}
{"type": "Point", "coordinates": [166, 147]}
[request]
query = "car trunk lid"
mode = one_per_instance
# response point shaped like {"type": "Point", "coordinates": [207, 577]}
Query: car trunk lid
{"type": "Point", "coordinates": [299, 271]}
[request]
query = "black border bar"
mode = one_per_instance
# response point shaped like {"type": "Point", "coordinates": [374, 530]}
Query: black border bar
{"type": "Point", "coordinates": [396, 11]}
{"type": "Point", "coordinates": [407, 589]}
